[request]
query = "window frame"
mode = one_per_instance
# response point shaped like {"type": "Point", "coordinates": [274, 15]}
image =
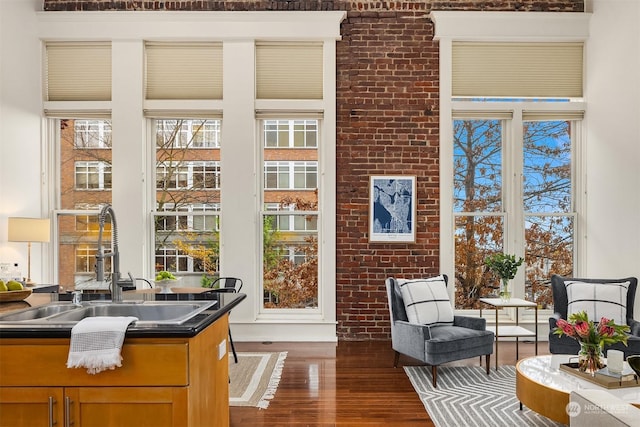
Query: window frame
{"type": "Point", "coordinates": [93, 168]}
{"type": "Point", "coordinates": [512, 209]}
{"type": "Point", "coordinates": [271, 208]}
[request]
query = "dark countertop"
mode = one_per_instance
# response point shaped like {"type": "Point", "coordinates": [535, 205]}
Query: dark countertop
{"type": "Point", "coordinates": [190, 328]}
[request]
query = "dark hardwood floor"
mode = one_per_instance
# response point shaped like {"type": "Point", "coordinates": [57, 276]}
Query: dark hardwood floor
{"type": "Point", "coordinates": [352, 383]}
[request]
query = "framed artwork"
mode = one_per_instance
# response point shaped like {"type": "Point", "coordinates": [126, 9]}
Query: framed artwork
{"type": "Point", "coordinates": [392, 209]}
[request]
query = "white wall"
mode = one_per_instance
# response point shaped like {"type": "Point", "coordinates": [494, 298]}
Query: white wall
{"type": "Point", "coordinates": [20, 129]}
{"type": "Point", "coordinates": [613, 140]}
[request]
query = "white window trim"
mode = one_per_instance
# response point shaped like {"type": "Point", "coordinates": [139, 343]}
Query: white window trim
{"type": "Point", "coordinates": [503, 27]}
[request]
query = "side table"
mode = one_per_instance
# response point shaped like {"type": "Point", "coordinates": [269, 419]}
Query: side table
{"type": "Point", "coordinates": [508, 330]}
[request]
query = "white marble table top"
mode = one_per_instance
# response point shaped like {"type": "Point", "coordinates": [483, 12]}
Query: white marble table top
{"type": "Point", "coordinates": [545, 370]}
{"type": "Point", "coordinates": [512, 302]}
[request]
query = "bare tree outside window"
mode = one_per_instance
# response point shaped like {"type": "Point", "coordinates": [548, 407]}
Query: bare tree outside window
{"type": "Point", "coordinates": [479, 206]}
{"type": "Point", "coordinates": [188, 198]}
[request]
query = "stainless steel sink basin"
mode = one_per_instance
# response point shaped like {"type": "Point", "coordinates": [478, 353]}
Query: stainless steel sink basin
{"type": "Point", "coordinates": [148, 312]}
{"type": "Point", "coordinates": [156, 312]}
{"type": "Point", "coordinates": [38, 312]}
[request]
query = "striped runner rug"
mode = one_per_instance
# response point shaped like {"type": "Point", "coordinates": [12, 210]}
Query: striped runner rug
{"type": "Point", "coordinates": [467, 397]}
{"type": "Point", "coordinates": [253, 381]}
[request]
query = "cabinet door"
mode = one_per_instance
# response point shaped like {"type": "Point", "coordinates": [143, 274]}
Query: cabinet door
{"type": "Point", "coordinates": [128, 406]}
{"type": "Point", "coordinates": [31, 406]}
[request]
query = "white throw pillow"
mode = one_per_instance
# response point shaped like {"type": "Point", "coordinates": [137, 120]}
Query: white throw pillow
{"type": "Point", "coordinates": [598, 300]}
{"type": "Point", "coordinates": [426, 301]}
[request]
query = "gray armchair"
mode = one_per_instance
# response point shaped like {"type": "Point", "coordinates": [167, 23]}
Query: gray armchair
{"type": "Point", "coordinates": [567, 345]}
{"type": "Point", "coordinates": [435, 345]}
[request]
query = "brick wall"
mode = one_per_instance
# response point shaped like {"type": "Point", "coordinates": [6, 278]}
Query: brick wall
{"type": "Point", "coordinates": [387, 123]}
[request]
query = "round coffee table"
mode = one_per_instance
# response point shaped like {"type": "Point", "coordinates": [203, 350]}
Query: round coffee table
{"type": "Point", "coordinates": [542, 387]}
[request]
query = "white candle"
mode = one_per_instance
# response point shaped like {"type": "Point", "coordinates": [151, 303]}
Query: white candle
{"type": "Point", "coordinates": [615, 361]}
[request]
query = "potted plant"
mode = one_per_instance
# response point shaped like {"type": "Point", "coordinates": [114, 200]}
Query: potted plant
{"type": "Point", "coordinates": [505, 266]}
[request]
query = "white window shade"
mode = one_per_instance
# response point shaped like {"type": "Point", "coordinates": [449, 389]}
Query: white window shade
{"type": "Point", "coordinates": [291, 115]}
{"type": "Point", "coordinates": [183, 114]}
{"type": "Point", "coordinates": [78, 71]}
{"type": "Point", "coordinates": [183, 71]}
{"type": "Point", "coordinates": [517, 69]}
{"type": "Point", "coordinates": [484, 114]}
{"type": "Point", "coordinates": [551, 115]}
{"type": "Point", "coordinates": [289, 70]}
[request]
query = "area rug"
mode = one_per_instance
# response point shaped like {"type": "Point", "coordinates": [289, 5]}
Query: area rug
{"type": "Point", "coordinates": [253, 381]}
{"type": "Point", "coordinates": [467, 397]}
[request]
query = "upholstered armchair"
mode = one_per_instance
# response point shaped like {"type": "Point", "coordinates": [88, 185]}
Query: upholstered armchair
{"type": "Point", "coordinates": [612, 298]}
{"type": "Point", "coordinates": [436, 336]}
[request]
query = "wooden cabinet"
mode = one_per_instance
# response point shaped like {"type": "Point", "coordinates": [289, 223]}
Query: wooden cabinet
{"type": "Point", "coordinates": [35, 406]}
{"type": "Point", "coordinates": [170, 382]}
{"type": "Point", "coordinates": [93, 406]}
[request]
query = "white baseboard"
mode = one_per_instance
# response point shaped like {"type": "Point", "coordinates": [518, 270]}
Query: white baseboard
{"type": "Point", "coordinates": [276, 332]}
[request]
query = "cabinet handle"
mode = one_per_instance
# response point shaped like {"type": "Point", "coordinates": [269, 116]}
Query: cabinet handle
{"type": "Point", "coordinates": [67, 409]}
{"type": "Point", "coordinates": [52, 401]}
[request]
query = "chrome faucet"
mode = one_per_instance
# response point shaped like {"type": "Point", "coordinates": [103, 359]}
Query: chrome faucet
{"type": "Point", "coordinates": [116, 286]}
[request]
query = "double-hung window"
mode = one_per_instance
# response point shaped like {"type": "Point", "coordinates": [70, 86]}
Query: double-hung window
{"type": "Point", "coordinates": [187, 197]}
{"type": "Point", "coordinates": [290, 218]}
{"type": "Point", "coordinates": [514, 181]}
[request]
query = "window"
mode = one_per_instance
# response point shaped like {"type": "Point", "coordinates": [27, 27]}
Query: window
{"type": "Point", "coordinates": [172, 176]}
{"type": "Point", "coordinates": [290, 220]}
{"type": "Point", "coordinates": [205, 222]}
{"type": "Point", "coordinates": [89, 222]}
{"type": "Point", "coordinates": [291, 175]}
{"type": "Point", "coordinates": [83, 156]}
{"type": "Point", "coordinates": [188, 175]}
{"type": "Point", "coordinates": [277, 133]}
{"type": "Point", "coordinates": [515, 196]}
{"type": "Point", "coordinates": [93, 176]}
{"type": "Point", "coordinates": [277, 175]}
{"type": "Point", "coordinates": [548, 203]}
{"type": "Point", "coordinates": [188, 133]}
{"type": "Point", "coordinates": [187, 197]}
{"type": "Point", "coordinates": [85, 259]}
{"type": "Point", "coordinates": [206, 175]}
{"type": "Point", "coordinates": [170, 259]}
{"type": "Point", "coordinates": [298, 222]}
{"type": "Point", "coordinates": [92, 134]}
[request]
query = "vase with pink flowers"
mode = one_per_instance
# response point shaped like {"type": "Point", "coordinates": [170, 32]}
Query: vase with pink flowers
{"type": "Point", "coordinates": [592, 338]}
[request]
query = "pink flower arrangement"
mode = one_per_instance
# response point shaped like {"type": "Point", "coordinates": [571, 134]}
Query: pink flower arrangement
{"type": "Point", "coordinates": [592, 338]}
{"type": "Point", "coordinates": [585, 331]}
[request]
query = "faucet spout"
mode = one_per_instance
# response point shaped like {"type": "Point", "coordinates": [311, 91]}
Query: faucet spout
{"type": "Point", "coordinates": [114, 254]}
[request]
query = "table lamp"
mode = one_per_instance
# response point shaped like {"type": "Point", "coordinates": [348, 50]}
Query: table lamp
{"type": "Point", "coordinates": [29, 230]}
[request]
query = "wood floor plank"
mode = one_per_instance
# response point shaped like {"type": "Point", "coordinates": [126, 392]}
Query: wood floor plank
{"type": "Point", "coordinates": [351, 383]}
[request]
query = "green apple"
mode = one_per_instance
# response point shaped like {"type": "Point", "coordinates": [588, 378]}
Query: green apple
{"type": "Point", "coordinates": [3, 287]}
{"type": "Point", "coordinates": [165, 275]}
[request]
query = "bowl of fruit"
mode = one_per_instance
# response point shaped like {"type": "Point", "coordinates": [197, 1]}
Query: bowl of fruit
{"type": "Point", "coordinates": [164, 279]}
{"type": "Point", "coordinates": [13, 290]}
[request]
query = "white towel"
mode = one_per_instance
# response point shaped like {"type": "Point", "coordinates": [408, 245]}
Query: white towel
{"type": "Point", "coordinates": [96, 343]}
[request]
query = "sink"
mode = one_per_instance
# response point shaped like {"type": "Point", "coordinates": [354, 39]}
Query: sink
{"type": "Point", "coordinates": [147, 312]}
{"type": "Point", "coordinates": [155, 312]}
{"type": "Point", "coordinates": [38, 312]}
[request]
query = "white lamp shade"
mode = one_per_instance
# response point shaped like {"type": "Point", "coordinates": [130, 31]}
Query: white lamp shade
{"type": "Point", "coordinates": [29, 230]}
